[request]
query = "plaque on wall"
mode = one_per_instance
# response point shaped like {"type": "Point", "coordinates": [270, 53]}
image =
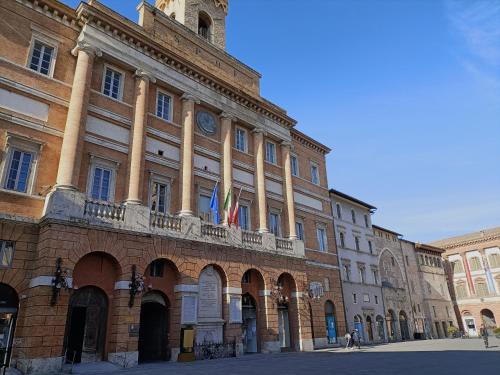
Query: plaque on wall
{"type": "Point", "coordinates": [210, 294]}
{"type": "Point", "coordinates": [235, 315]}
{"type": "Point", "coordinates": [189, 309]}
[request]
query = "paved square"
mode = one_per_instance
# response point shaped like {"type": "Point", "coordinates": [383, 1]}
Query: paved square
{"type": "Point", "coordinates": [459, 356]}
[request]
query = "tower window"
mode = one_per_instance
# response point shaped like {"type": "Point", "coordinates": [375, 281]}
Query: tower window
{"type": "Point", "coordinates": [204, 26]}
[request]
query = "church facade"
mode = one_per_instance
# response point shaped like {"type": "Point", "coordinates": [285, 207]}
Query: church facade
{"type": "Point", "coordinates": [120, 144]}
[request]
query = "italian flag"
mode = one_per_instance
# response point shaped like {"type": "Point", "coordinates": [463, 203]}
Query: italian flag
{"type": "Point", "coordinates": [234, 215]}
{"type": "Point", "coordinates": [228, 203]}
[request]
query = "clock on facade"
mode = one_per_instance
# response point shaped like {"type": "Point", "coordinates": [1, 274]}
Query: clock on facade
{"type": "Point", "coordinates": [206, 123]}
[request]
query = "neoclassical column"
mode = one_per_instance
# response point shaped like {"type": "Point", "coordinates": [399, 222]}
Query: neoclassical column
{"type": "Point", "coordinates": [288, 185]}
{"type": "Point", "coordinates": [260, 179]}
{"type": "Point", "coordinates": [227, 156]}
{"type": "Point", "coordinates": [187, 151]}
{"type": "Point", "coordinates": [77, 115]}
{"type": "Point", "coordinates": [137, 141]}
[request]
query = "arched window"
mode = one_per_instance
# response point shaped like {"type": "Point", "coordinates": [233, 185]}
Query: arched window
{"type": "Point", "coordinates": [481, 288]}
{"type": "Point", "coordinates": [460, 291]}
{"type": "Point", "coordinates": [494, 260]}
{"type": "Point", "coordinates": [457, 266]}
{"type": "Point", "coordinates": [475, 264]}
{"type": "Point", "coordinates": [205, 26]}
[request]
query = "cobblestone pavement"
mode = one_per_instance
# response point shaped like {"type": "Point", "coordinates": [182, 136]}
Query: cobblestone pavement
{"type": "Point", "coordinates": [457, 357]}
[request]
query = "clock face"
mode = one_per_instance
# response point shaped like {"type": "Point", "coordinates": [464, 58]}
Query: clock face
{"type": "Point", "coordinates": [206, 123]}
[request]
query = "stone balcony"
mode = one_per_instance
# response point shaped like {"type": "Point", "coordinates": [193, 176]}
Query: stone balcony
{"type": "Point", "coordinates": [75, 207]}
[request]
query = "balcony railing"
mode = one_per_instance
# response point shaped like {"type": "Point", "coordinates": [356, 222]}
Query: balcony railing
{"type": "Point", "coordinates": [251, 238]}
{"type": "Point", "coordinates": [283, 244]}
{"type": "Point", "coordinates": [215, 231]}
{"type": "Point", "coordinates": [102, 210]}
{"type": "Point", "coordinates": [163, 221]}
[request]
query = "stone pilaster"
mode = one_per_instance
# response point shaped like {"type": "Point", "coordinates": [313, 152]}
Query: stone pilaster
{"type": "Point", "coordinates": [137, 141]}
{"type": "Point", "coordinates": [227, 157]}
{"type": "Point", "coordinates": [260, 180]}
{"type": "Point", "coordinates": [77, 115]}
{"type": "Point", "coordinates": [187, 151]}
{"type": "Point", "coordinates": [288, 187]}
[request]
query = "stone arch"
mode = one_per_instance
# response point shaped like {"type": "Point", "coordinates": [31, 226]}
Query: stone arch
{"type": "Point", "coordinates": [154, 328]}
{"type": "Point", "coordinates": [488, 320]}
{"type": "Point", "coordinates": [403, 325]}
{"type": "Point", "coordinates": [392, 332]}
{"type": "Point", "coordinates": [331, 322]}
{"type": "Point", "coordinates": [288, 313]}
{"type": "Point", "coordinates": [380, 334]}
{"type": "Point", "coordinates": [99, 269]}
{"type": "Point", "coordinates": [391, 275]}
{"type": "Point", "coordinates": [205, 25]}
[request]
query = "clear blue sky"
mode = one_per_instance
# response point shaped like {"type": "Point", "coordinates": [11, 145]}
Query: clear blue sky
{"type": "Point", "coordinates": [406, 93]}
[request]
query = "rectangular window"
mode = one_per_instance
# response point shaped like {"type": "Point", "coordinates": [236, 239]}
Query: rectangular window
{"type": "Point", "coordinates": [339, 211]}
{"type": "Point", "coordinates": [241, 140]}
{"type": "Point", "coordinates": [375, 276]}
{"type": "Point", "coordinates": [347, 272]}
{"type": "Point", "coordinates": [362, 275]}
{"type": "Point", "coordinates": [434, 310]}
{"type": "Point", "coordinates": [299, 228]}
{"type": "Point", "coordinates": [19, 170]}
{"type": "Point", "coordinates": [294, 165]}
{"type": "Point", "coordinates": [274, 224]}
{"type": "Point", "coordinates": [407, 260]}
{"type": "Point", "coordinates": [342, 240]}
{"type": "Point", "coordinates": [159, 197]}
{"type": "Point", "coordinates": [41, 59]}
{"type": "Point", "coordinates": [271, 152]}
{"type": "Point", "coordinates": [354, 298]}
{"type": "Point", "coordinates": [356, 242]}
{"type": "Point", "coordinates": [366, 297]}
{"type": "Point", "coordinates": [475, 264]}
{"type": "Point", "coordinates": [204, 211]}
{"type": "Point", "coordinates": [314, 174]}
{"type": "Point", "coordinates": [353, 216]}
{"type": "Point", "coordinates": [367, 224]}
{"type": "Point", "coordinates": [321, 234]}
{"type": "Point", "coordinates": [370, 247]}
{"type": "Point", "coordinates": [113, 82]}
{"type": "Point", "coordinates": [376, 300]}
{"type": "Point", "coordinates": [101, 184]}
{"type": "Point", "coordinates": [244, 217]}
{"type": "Point", "coordinates": [6, 253]}
{"type": "Point", "coordinates": [164, 106]}
{"type": "Point", "coordinates": [448, 311]}
{"type": "Point", "coordinates": [418, 307]}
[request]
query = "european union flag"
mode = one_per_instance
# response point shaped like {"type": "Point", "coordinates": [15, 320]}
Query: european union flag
{"type": "Point", "coordinates": [214, 204]}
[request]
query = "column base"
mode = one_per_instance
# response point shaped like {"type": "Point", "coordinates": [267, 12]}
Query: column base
{"type": "Point", "coordinates": [263, 230]}
{"type": "Point", "coordinates": [185, 213]}
{"type": "Point", "coordinates": [133, 202]}
{"type": "Point", "coordinates": [65, 187]}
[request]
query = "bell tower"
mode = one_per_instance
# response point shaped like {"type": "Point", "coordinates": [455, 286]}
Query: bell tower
{"type": "Point", "coordinates": [207, 18]}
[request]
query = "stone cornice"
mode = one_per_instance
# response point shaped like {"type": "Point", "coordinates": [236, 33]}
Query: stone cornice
{"type": "Point", "coordinates": [309, 142]}
{"type": "Point", "coordinates": [453, 245]}
{"type": "Point", "coordinates": [54, 10]}
{"type": "Point", "coordinates": [136, 37]}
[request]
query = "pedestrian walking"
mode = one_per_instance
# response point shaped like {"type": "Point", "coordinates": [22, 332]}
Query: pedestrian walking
{"type": "Point", "coordinates": [484, 335]}
{"type": "Point", "coordinates": [356, 339]}
{"type": "Point", "coordinates": [347, 338]}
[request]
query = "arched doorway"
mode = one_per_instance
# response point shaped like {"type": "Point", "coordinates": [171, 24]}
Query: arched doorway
{"type": "Point", "coordinates": [403, 325]}
{"type": "Point", "coordinates": [391, 325]}
{"type": "Point", "coordinates": [250, 337]}
{"type": "Point", "coordinates": [331, 323]}
{"type": "Point", "coordinates": [9, 306]}
{"type": "Point", "coordinates": [86, 326]}
{"type": "Point", "coordinates": [469, 323]}
{"type": "Point", "coordinates": [358, 325]}
{"type": "Point", "coordinates": [154, 328]}
{"type": "Point", "coordinates": [380, 328]}
{"type": "Point", "coordinates": [369, 328]}
{"type": "Point", "coordinates": [285, 286]}
{"type": "Point", "coordinates": [488, 320]}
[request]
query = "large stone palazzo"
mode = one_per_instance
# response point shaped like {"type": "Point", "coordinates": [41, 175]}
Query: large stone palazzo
{"type": "Point", "coordinates": [99, 264]}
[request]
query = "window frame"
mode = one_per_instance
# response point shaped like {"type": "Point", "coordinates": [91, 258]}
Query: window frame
{"type": "Point", "coordinates": [3, 244]}
{"type": "Point", "coordinates": [300, 222]}
{"type": "Point", "coordinates": [297, 168]}
{"type": "Point", "coordinates": [342, 239]}
{"type": "Point", "coordinates": [357, 244]}
{"type": "Point", "coordinates": [248, 205]}
{"type": "Point", "coordinates": [20, 143]}
{"type": "Point", "coordinates": [316, 166]}
{"type": "Point", "coordinates": [159, 179]}
{"type": "Point", "coordinates": [370, 246]}
{"type": "Point", "coordinates": [275, 154]}
{"type": "Point", "coordinates": [206, 193]}
{"type": "Point", "coordinates": [105, 163]}
{"type": "Point", "coordinates": [353, 216]}
{"type": "Point", "coordinates": [122, 81]}
{"type": "Point", "coordinates": [323, 228]}
{"type": "Point", "coordinates": [245, 132]}
{"type": "Point", "coordinates": [278, 214]}
{"type": "Point", "coordinates": [367, 221]}
{"type": "Point", "coordinates": [159, 92]}
{"type": "Point", "coordinates": [339, 210]}
{"type": "Point", "coordinates": [43, 37]}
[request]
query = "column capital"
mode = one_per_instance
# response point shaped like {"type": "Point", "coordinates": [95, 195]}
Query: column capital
{"type": "Point", "coordinates": [259, 131]}
{"type": "Point", "coordinates": [87, 48]}
{"type": "Point", "coordinates": [187, 97]}
{"type": "Point", "coordinates": [228, 116]}
{"type": "Point", "coordinates": [144, 75]}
